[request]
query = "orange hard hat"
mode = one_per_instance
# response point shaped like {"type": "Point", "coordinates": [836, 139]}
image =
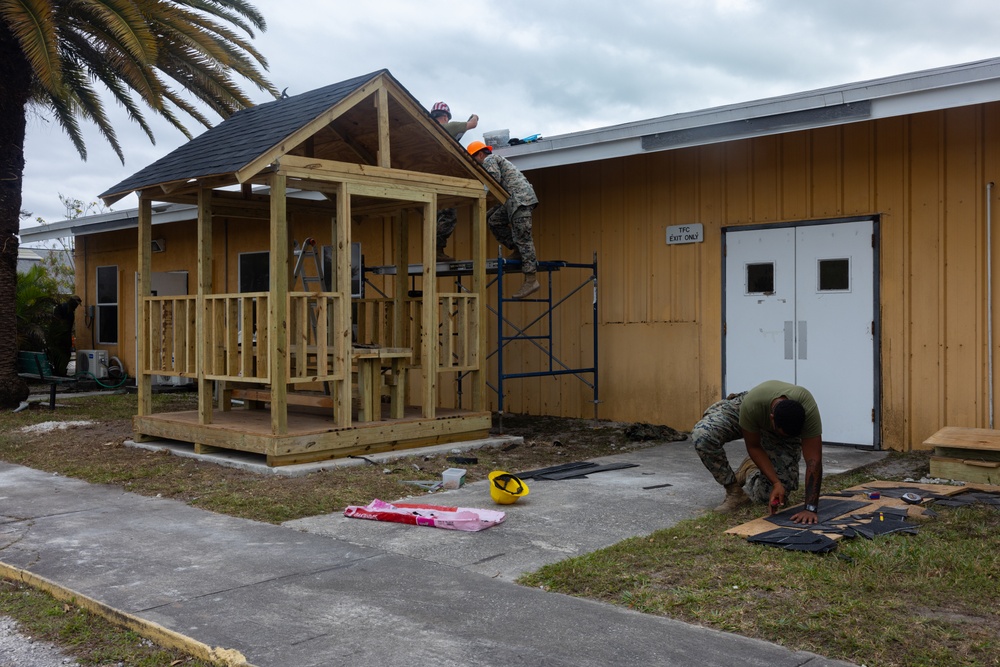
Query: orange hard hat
{"type": "Point", "coordinates": [477, 146]}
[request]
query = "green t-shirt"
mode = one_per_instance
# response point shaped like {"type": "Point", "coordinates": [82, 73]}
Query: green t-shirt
{"type": "Point", "coordinates": [755, 411]}
{"type": "Point", "coordinates": [456, 128]}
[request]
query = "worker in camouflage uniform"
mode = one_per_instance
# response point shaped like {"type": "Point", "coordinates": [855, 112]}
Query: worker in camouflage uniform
{"type": "Point", "coordinates": [510, 222]}
{"type": "Point", "coordinates": [447, 218]}
{"type": "Point", "coordinates": [780, 423]}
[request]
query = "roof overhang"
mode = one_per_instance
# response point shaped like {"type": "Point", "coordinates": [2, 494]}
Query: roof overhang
{"type": "Point", "coordinates": [918, 92]}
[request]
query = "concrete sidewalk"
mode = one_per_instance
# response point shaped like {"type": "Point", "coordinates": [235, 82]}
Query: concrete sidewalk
{"type": "Point", "coordinates": [335, 591]}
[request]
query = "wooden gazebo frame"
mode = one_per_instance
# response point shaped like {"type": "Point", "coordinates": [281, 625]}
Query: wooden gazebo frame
{"type": "Point", "coordinates": [293, 356]}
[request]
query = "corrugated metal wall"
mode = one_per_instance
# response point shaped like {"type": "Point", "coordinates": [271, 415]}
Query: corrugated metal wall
{"type": "Point", "coordinates": [660, 327]}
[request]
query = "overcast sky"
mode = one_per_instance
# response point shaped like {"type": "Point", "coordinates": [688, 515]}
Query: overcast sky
{"type": "Point", "coordinates": [554, 66]}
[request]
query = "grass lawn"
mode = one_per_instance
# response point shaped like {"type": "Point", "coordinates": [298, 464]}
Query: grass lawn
{"type": "Point", "coordinates": [926, 599]}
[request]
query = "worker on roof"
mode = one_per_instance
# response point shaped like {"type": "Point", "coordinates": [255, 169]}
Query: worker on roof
{"type": "Point", "coordinates": [780, 423]}
{"type": "Point", "coordinates": [447, 218]}
{"type": "Point", "coordinates": [511, 222]}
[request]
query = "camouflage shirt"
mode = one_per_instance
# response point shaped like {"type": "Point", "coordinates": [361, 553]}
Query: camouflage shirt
{"type": "Point", "coordinates": [511, 179]}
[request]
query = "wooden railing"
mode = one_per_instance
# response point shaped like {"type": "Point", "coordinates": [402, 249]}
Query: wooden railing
{"type": "Point", "coordinates": [236, 337]}
{"type": "Point", "coordinates": [458, 315]}
{"type": "Point", "coordinates": [236, 329]}
{"type": "Point", "coordinates": [168, 324]}
{"type": "Point", "coordinates": [318, 348]}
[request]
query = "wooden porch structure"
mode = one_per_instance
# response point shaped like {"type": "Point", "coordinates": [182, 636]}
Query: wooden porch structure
{"type": "Point", "coordinates": [294, 358]}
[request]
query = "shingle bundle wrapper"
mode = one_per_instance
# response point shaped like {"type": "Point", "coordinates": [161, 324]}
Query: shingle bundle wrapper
{"type": "Point", "coordinates": [434, 516]}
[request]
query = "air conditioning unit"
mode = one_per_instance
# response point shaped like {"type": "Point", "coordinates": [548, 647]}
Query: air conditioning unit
{"type": "Point", "coordinates": [92, 363]}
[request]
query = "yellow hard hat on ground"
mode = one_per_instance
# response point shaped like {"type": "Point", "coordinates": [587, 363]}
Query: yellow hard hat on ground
{"type": "Point", "coordinates": [505, 488]}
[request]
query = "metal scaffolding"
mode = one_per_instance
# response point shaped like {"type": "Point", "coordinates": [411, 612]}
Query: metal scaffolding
{"type": "Point", "coordinates": [506, 312]}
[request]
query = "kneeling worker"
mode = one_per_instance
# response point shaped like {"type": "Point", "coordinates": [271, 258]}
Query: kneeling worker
{"type": "Point", "coordinates": [511, 222]}
{"type": "Point", "coordinates": [780, 423]}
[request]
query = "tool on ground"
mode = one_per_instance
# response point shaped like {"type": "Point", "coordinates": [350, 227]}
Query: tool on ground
{"type": "Point", "coordinates": [424, 484]}
{"type": "Point", "coordinates": [911, 498]}
{"type": "Point", "coordinates": [505, 488]}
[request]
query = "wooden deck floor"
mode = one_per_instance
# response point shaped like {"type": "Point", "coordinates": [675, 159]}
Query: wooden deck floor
{"type": "Point", "coordinates": [312, 436]}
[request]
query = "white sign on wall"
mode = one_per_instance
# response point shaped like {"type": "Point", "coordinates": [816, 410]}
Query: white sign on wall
{"type": "Point", "coordinates": [685, 234]}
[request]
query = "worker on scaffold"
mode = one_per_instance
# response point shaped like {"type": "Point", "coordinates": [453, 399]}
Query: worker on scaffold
{"type": "Point", "coordinates": [510, 222]}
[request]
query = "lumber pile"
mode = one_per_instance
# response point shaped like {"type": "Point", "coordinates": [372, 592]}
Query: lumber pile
{"type": "Point", "coordinates": [966, 454]}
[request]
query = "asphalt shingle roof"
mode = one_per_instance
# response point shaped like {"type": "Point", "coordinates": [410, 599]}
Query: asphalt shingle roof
{"type": "Point", "coordinates": [241, 138]}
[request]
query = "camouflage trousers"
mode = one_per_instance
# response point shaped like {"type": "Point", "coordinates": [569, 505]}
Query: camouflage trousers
{"type": "Point", "coordinates": [512, 227]}
{"type": "Point", "coordinates": [721, 424]}
{"type": "Point", "coordinates": [447, 218]}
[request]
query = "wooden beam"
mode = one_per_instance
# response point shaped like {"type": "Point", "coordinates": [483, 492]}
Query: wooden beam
{"type": "Point", "coordinates": [479, 286]}
{"type": "Point", "coordinates": [382, 108]}
{"type": "Point", "coordinates": [358, 149]}
{"type": "Point", "coordinates": [205, 386]}
{"type": "Point", "coordinates": [309, 129]}
{"type": "Point", "coordinates": [341, 233]}
{"type": "Point", "coordinates": [429, 319]}
{"type": "Point", "coordinates": [144, 382]}
{"type": "Point", "coordinates": [331, 170]}
{"type": "Point", "coordinates": [277, 303]}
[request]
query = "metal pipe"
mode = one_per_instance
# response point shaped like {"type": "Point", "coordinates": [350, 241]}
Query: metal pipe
{"type": "Point", "coordinates": [989, 295]}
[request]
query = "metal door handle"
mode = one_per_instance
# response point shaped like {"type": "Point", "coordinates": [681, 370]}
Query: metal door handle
{"type": "Point", "coordinates": [802, 339]}
{"type": "Point", "coordinates": [789, 340]}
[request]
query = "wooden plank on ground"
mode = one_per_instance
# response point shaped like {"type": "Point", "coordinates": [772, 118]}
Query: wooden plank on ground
{"type": "Point", "coordinates": [966, 470]}
{"type": "Point", "coordinates": [965, 438]}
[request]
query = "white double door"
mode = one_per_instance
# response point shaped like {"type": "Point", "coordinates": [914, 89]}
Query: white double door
{"type": "Point", "coordinates": [800, 307]}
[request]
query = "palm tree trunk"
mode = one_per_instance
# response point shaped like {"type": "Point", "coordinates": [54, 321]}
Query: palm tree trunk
{"type": "Point", "coordinates": [15, 81]}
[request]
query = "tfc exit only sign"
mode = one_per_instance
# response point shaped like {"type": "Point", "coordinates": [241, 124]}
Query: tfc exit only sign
{"type": "Point", "coordinates": [685, 234]}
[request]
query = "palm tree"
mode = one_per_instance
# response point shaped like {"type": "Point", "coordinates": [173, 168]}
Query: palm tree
{"type": "Point", "coordinates": [61, 55]}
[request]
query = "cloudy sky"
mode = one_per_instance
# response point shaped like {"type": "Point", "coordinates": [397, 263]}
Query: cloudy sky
{"type": "Point", "coordinates": [555, 66]}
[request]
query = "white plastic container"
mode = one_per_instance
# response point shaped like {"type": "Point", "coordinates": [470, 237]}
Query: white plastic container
{"type": "Point", "coordinates": [497, 138]}
{"type": "Point", "coordinates": [453, 478]}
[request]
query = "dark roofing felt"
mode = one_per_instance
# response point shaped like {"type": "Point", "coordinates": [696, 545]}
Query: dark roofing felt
{"type": "Point", "coordinates": [241, 138]}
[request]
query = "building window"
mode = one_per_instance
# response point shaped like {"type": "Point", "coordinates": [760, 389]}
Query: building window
{"type": "Point", "coordinates": [107, 305]}
{"type": "Point", "coordinates": [760, 278]}
{"type": "Point", "coordinates": [834, 275]}
{"type": "Point", "coordinates": [255, 271]}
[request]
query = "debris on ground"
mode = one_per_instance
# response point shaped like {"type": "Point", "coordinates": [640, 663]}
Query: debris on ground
{"type": "Point", "coordinates": [641, 432]}
{"type": "Point", "coordinates": [46, 427]}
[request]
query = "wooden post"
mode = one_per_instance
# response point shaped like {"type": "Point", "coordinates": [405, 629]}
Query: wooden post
{"type": "Point", "coordinates": [144, 381]}
{"type": "Point", "coordinates": [277, 304]}
{"type": "Point", "coordinates": [383, 129]}
{"type": "Point", "coordinates": [341, 283]}
{"type": "Point", "coordinates": [401, 260]}
{"type": "Point", "coordinates": [429, 320]}
{"type": "Point", "coordinates": [205, 387]}
{"type": "Point", "coordinates": [479, 289]}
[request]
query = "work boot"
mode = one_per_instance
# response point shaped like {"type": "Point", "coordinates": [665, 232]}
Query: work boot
{"type": "Point", "coordinates": [444, 257]}
{"type": "Point", "coordinates": [514, 256]}
{"type": "Point", "coordinates": [530, 286]}
{"type": "Point", "coordinates": [736, 498]}
{"type": "Point", "coordinates": [747, 468]}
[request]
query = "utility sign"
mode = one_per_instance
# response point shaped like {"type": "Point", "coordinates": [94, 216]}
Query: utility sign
{"type": "Point", "coordinates": [685, 234]}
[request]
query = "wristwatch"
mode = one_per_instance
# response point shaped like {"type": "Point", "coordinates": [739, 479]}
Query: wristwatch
{"type": "Point", "coordinates": [811, 508]}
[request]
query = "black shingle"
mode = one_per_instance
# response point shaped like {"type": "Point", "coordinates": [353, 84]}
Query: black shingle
{"type": "Point", "coordinates": [241, 138]}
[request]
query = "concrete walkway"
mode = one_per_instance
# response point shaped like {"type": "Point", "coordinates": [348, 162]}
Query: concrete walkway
{"type": "Point", "coordinates": [333, 591]}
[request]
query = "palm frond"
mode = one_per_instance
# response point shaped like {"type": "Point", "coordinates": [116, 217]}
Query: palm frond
{"type": "Point", "coordinates": [33, 26]}
{"type": "Point", "coordinates": [138, 50]}
{"type": "Point", "coordinates": [117, 23]}
{"type": "Point", "coordinates": [220, 8]}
